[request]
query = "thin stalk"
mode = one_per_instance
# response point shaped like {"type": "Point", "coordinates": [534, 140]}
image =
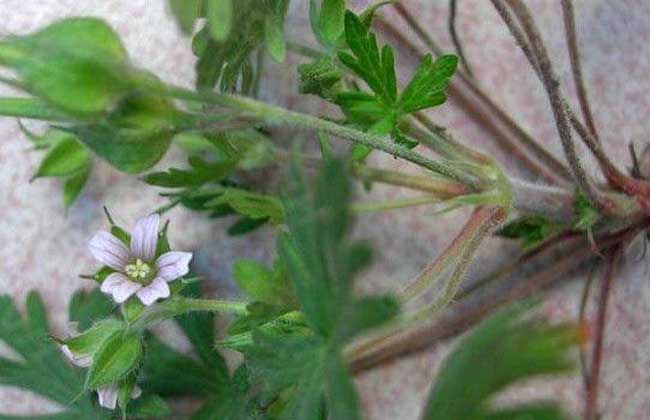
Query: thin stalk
{"type": "Point", "coordinates": [539, 58]}
{"type": "Point", "coordinates": [581, 321]}
{"type": "Point", "coordinates": [394, 204]}
{"type": "Point", "coordinates": [520, 261]}
{"type": "Point", "coordinates": [489, 220]}
{"type": "Point", "coordinates": [457, 253]}
{"type": "Point", "coordinates": [304, 50]}
{"type": "Point", "coordinates": [456, 39]}
{"type": "Point", "coordinates": [576, 67]}
{"type": "Point", "coordinates": [31, 108]}
{"type": "Point", "coordinates": [440, 188]}
{"type": "Point", "coordinates": [591, 405]}
{"type": "Point", "coordinates": [274, 115]}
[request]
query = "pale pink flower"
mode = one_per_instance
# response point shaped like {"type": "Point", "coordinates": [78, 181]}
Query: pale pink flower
{"type": "Point", "coordinates": [81, 360]}
{"type": "Point", "coordinates": [136, 271]}
{"type": "Point", "coordinates": [107, 395]}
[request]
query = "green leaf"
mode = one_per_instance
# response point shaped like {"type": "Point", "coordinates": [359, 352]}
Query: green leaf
{"type": "Point", "coordinates": [219, 14]}
{"type": "Point", "coordinates": [508, 348]}
{"type": "Point", "coordinates": [227, 62]}
{"type": "Point", "coordinates": [129, 150]}
{"type": "Point", "coordinates": [65, 157]}
{"type": "Point", "coordinates": [42, 368]}
{"type": "Point", "coordinates": [116, 357]}
{"type": "Point", "coordinates": [78, 65]}
{"type": "Point", "coordinates": [274, 37]}
{"type": "Point", "coordinates": [169, 373]}
{"type": "Point", "coordinates": [92, 339]}
{"type": "Point", "coordinates": [262, 284]}
{"type": "Point", "coordinates": [531, 230]}
{"type": "Point", "coordinates": [87, 307]}
{"type": "Point", "coordinates": [321, 265]}
{"type": "Point", "coordinates": [73, 186]}
{"type": "Point", "coordinates": [148, 407]}
{"type": "Point", "coordinates": [331, 18]}
{"type": "Point", "coordinates": [246, 225]}
{"type": "Point", "coordinates": [380, 112]}
{"type": "Point", "coordinates": [586, 214]}
{"type": "Point", "coordinates": [199, 173]}
{"type": "Point", "coordinates": [429, 84]}
{"type": "Point", "coordinates": [186, 13]}
{"type": "Point", "coordinates": [250, 204]}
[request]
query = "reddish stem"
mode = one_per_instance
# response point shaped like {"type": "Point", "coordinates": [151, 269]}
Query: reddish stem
{"type": "Point", "coordinates": [591, 406]}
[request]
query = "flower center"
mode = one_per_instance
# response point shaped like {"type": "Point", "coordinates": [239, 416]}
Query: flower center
{"type": "Point", "coordinates": [138, 271]}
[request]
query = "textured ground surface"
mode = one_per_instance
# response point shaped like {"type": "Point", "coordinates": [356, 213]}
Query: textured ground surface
{"type": "Point", "coordinates": [42, 249]}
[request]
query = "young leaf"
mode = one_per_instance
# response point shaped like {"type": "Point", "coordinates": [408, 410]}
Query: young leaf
{"type": "Point", "coordinates": [330, 22]}
{"type": "Point", "coordinates": [261, 284]}
{"type": "Point", "coordinates": [531, 230]}
{"type": "Point", "coordinates": [186, 13]}
{"type": "Point", "coordinates": [87, 307]}
{"type": "Point", "coordinates": [274, 37]}
{"type": "Point", "coordinates": [380, 112]}
{"type": "Point", "coordinates": [507, 348]}
{"type": "Point", "coordinates": [73, 186]}
{"type": "Point", "coordinates": [586, 214]}
{"type": "Point", "coordinates": [428, 86]}
{"type": "Point", "coordinates": [219, 13]}
{"type": "Point", "coordinates": [65, 157]}
{"type": "Point", "coordinates": [250, 204]}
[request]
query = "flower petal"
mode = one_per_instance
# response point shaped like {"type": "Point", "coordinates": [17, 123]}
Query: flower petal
{"type": "Point", "coordinates": [82, 361]}
{"type": "Point", "coordinates": [145, 237]}
{"type": "Point", "coordinates": [156, 290]}
{"type": "Point", "coordinates": [172, 265]}
{"type": "Point", "coordinates": [120, 287]}
{"type": "Point", "coordinates": [107, 396]}
{"type": "Point", "coordinates": [109, 250]}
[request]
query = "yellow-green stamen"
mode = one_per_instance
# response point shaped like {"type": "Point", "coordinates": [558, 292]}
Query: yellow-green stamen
{"type": "Point", "coordinates": [138, 271]}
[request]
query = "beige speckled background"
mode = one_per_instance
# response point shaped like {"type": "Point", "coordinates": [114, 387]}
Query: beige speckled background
{"type": "Point", "coordinates": [42, 249]}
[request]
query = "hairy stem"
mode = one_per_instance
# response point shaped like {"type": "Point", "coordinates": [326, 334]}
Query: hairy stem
{"type": "Point", "coordinates": [394, 204]}
{"type": "Point", "coordinates": [576, 67]}
{"type": "Point", "coordinates": [538, 56]}
{"type": "Point", "coordinates": [274, 115]}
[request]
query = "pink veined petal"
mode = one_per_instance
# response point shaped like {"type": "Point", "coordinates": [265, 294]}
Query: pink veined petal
{"type": "Point", "coordinates": [107, 396]}
{"type": "Point", "coordinates": [119, 286]}
{"type": "Point", "coordinates": [158, 289]}
{"type": "Point", "coordinates": [144, 237]}
{"type": "Point", "coordinates": [109, 250]}
{"type": "Point", "coordinates": [172, 265]}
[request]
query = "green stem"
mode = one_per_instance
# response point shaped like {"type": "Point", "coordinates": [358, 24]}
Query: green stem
{"type": "Point", "coordinates": [304, 50]}
{"type": "Point", "coordinates": [30, 108]}
{"type": "Point", "coordinates": [394, 204]}
{"type": "Point", "coordinates": [274, 115]}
